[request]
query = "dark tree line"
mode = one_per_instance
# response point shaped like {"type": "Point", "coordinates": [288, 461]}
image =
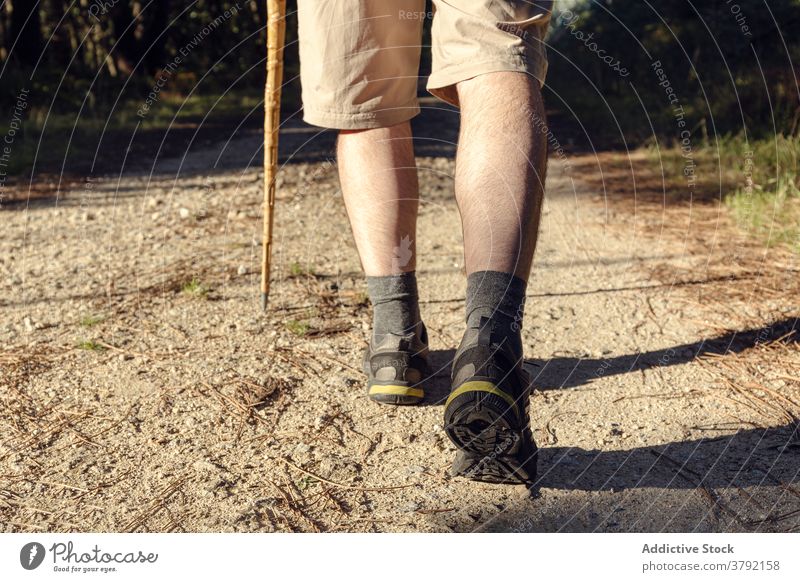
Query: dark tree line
{"type": "Point", "coordinates": [100, 46]}
{"type": "Point", "coordinates": [732, 63]}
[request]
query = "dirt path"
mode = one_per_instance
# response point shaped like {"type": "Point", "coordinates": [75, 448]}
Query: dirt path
{"type": "Point", "coordinates": [143, 390]}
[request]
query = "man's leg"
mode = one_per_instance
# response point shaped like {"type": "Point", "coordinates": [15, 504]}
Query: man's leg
{"type": "Point", "coordinates": [358, 69]}
{"type": "Point", "coordinates": [378, 175]}
{"type": "Point", "coordinates": [500, 172]}
{"type": "Point", "coordinates": [489, 58]}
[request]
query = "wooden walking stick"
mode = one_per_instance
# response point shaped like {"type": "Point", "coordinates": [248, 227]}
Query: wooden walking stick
{"type": "Point", "coordinates": [276, 34]}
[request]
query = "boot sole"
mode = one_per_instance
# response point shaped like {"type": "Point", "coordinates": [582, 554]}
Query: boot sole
{"type": "Point", "coordinates": [483, 422]}
{"type": "Point", "coordinates": [502, 470]}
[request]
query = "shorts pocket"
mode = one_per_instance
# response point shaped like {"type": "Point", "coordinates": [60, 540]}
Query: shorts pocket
{"type": "Point", "coordinates": [530, 19]}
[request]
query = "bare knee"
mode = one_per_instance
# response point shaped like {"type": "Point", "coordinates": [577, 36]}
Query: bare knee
{"type": "Point", "coordinates": [512, 91]}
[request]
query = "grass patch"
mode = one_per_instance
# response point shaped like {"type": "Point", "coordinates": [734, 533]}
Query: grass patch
{"type": "Point", "coordinates": [298, 328]}
{"type": "Point", "coordinates": [773, 214]}
{"type": "Point", "coordinates": [306, 482]}
{"type": "Point", "coordinates": [90, 345]}
{"type": "Point", "coordinates": [298, 270]}
{"type": "Point", "coordinates": [177, 108]}
{"type": "Point", "coordinates": [759, 181]}
{"type": "Point", "coordinates": [766, 200]}
{"type": "Point", "coordinates": [91, 320]}
{"type": "Point", "coordinates": [196, 289]}
{"type": "Point", "coordinates": [361, 298]}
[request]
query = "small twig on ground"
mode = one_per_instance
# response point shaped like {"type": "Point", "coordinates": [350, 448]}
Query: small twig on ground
{"type": "Point", "coordinates": [155, 506]}
{"type": "Point", "coordinates": [341, 485]}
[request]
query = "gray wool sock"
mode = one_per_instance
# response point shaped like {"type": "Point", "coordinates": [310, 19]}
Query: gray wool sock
{"type": "Point", "coordinates": [501, 298]}
{"type": "Point", "coordinates": [395, 304]}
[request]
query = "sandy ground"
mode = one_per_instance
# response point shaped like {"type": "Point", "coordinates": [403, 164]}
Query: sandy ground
{"type": "Point", "coordinates": [143, 389]}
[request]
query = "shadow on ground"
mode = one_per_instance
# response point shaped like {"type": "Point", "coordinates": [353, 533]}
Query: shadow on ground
{"type": "Point", "coordinates": [765, 462]}
{"type": "Point", "coordinates": [567, 372]}
{"type": "Point", "coordinates": [763, 458]}
{"type": "Point", "coordinates": [740, 482]}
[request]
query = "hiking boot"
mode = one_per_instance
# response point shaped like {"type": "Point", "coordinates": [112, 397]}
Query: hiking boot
{"type": "Point", "coordinates": [486, 413]}
{"type": "Point", "coordinates": [397, 367]}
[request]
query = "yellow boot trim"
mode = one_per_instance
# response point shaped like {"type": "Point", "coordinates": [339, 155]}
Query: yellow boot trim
{"type": "Point", "coordinates": [481, 386]}
{"type": "Point", "coordinates": [394, 390]}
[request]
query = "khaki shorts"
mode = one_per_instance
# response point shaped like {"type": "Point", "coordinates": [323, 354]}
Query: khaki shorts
{"type": "Point", "coordinates": [359, 59]}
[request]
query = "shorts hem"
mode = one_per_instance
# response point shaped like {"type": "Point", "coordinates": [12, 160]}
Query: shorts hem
{"type": "Point", "coordinates": [361, 119]}
{"type": "Point", "coordinates": [441, 83]}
